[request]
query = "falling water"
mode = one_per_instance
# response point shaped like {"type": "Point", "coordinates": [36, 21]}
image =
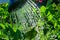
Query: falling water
{"type": "Point", "coordinates": [27, 16]}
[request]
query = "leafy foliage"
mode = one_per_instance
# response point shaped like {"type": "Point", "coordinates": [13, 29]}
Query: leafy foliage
{"type": "Point", "coordinates": [49, 25]}
{"type": "Point", "coordinates": [51, 16]}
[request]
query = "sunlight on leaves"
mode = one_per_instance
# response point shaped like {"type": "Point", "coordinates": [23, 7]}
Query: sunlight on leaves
{"type": "Point", "coordinates": [43, 9]}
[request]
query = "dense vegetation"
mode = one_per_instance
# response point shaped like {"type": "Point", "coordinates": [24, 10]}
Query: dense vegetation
{"type": "Point", "coordinates": [50, 29]}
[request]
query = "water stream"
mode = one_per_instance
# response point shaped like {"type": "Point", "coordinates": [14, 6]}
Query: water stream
{"type": "Point", "coordinates": [27, 16]}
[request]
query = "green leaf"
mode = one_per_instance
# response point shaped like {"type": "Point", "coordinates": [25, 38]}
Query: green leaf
{"type": "Point", "coordinates": [53, 5]}
{"type": "Point", "coordinates": [21, 27]}
{"type": "Point", "coordinates": [58, 26]}
{"type": "Point", "coordinates": [58, 36]}
{"type": "Point", "coordinates": [31, 34]}
{"type": "Point", "coordinates": [6, 24]}
{"type": "Point", "coordinates": [43, 9]}
{"type": "Point", "coordinates": [55, 24]}
{"type": "Point", "coordinates": [15, 28]}
{"type": "Point", "coordinates": [0, 32]}
{"type": "Point", "coordinates": [50, 17]}
{"type": "Point", "coordinates": [2, 25]}
{"type": "Point", "coordinates": [49, 2]}
{"type": "Point", "coordinates": [58, 7]}
{"type": "Point", "coordinates": [40, 22]}
{"type": "Point", "coordinates": [1, 9]}
{"type": "Point", "coordinates": [48, 13]}
{"type": "Point", "coordinates": [59, 19]}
